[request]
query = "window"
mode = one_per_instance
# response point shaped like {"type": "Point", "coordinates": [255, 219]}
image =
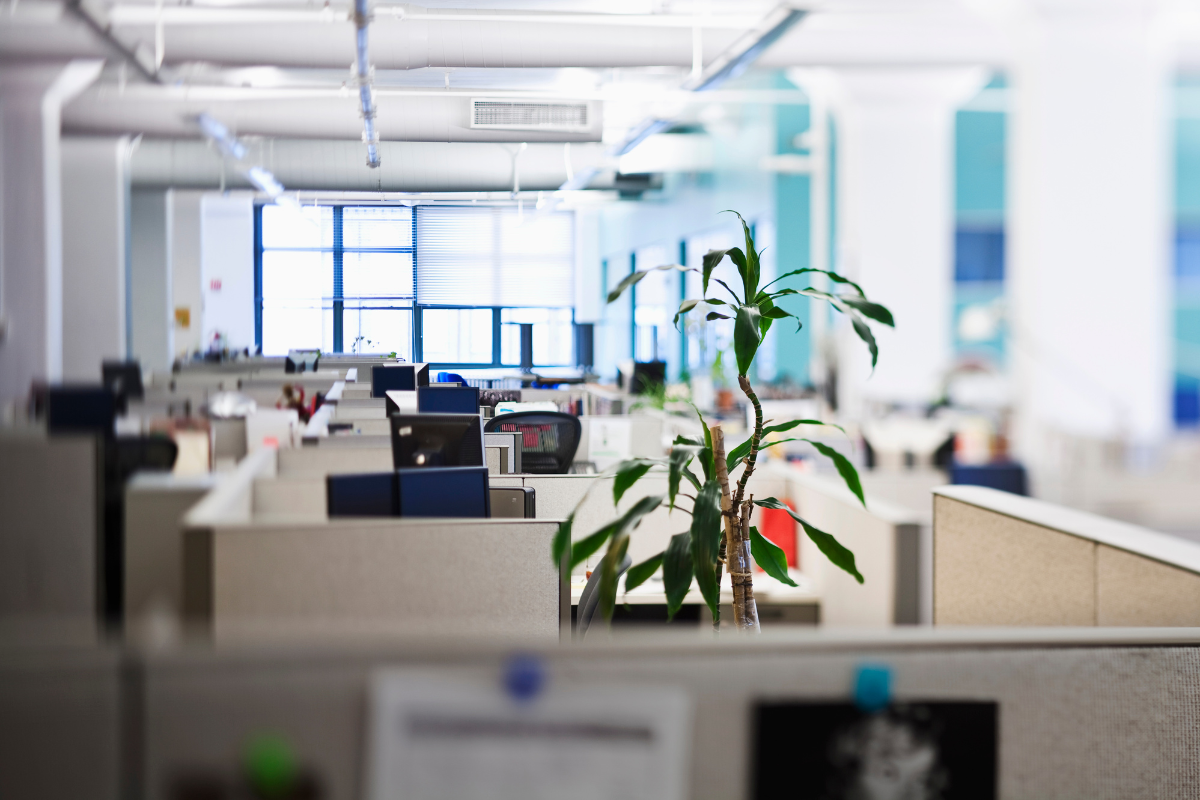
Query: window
{"type": "Point", "coordinates": [351, 279]}
{"type": "Point", "coordinates": [978, 255]}
{"type": "Point", "coordinates": [656, 299]}
{"type": "Point", "coordinates": [336, 278]}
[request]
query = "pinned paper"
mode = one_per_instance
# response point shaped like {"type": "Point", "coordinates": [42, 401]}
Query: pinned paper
{"type": "Point", "coordinates": [433, 735]}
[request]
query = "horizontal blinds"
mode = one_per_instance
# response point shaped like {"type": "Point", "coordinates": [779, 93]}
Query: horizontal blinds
{"type": "Point", "coordinates": [494, 257]}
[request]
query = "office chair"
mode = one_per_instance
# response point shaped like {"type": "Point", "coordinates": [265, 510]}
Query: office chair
{"type": "Point", "coordinates": [548, 439]}
{"type": "Point", "coordinates": [590, 598]}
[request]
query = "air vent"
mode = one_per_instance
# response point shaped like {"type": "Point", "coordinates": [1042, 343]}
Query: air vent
{"type": "Point", "coordinates": [529, 116]}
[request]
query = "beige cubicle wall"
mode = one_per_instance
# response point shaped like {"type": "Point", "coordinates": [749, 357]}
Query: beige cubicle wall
{"type": "Point", "coordinates": [51, 512]}
{"type": "Point", "coordinates": [884, 538]}
{"type": "Point", "coordinates": [260, 552]}
{"type": "Point", "coordinates": [1001, 559]}
{"type": "Point", "coordinates": [1082, 713]}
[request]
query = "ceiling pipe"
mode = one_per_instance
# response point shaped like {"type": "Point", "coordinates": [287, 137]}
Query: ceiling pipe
{"type": "Point", "coordinates": [362, 19]}
{"type": "Point", "coordinates": [732, 62]}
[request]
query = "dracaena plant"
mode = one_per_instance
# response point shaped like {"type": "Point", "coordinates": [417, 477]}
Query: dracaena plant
{"type": "Point", "coordinates": [719, 535]}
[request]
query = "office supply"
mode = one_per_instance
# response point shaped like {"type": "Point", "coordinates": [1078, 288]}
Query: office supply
{"type": "Point", "coordinates": [443, 492]}
{"type": "Point", "coordinates": [548, 439]}
{"type": "Point", "coordinates": [446, 399]}
{"type": "Point", "coordinates": [647, 376]}
{"type": "Point", "coordinates": [513, 502]}
{"type": "Point", "coordinates": [437, 440]}
{"type": "Point", "coordinates": [398, 377]}
{"type": "Point", "coordinates": [302, 361]}
{"type": "Point", "coordinates": [80, 409]}
{"type": "Point", "coordinates": [123, 378]}
{"type": "Point", "coordinates": [371, 494]}
{"type": "Point", "coordinates": [437, 735]}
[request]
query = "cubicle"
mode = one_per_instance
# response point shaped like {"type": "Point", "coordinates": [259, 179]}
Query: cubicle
{"type": "Point", "coordinates": [1075, 712]}
{"type": "Point", "coordinates": [260, 553]}
{"type": "Point", "coordinates": [1002, 559]}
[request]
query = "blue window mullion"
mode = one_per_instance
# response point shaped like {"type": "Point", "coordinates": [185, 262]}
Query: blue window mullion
{"type": "Point", "coordinates": [337, 280]}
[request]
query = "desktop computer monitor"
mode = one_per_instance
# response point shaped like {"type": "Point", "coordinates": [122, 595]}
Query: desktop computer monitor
{"type": "Point", "coordinates": [364, 495]}
{"type": "Point", "coordinates": [437, 440]}
{"type": "Point", "coordinates": [123, 378]}
{"type": "Point", "coordinates": [80, 409]}
{"type": "Point", "coordinates": [444, 492]}
{"type": "Point", "coordinates": [302, 361]}
{"type": "Point", "coordinates": [446, 399]}
{"type": "Point", "coordinates": [398, 378]}
{"type": "Point", "coordinates": [647, 375]}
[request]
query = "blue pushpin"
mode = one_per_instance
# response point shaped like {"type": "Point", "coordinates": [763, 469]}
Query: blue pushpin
{"type": "Point", "coordinates": [524, 677]}
{"type": "Point", "coordinates": [872, 687]}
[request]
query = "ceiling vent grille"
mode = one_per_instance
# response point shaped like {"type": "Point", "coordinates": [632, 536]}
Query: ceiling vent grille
{"type": "Point", "coordinates": [531, 116]}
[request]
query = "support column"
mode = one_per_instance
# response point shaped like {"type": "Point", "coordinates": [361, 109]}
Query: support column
{"type": "Point", "coordinates": [1088, 279]}
{"type": "Point", "coordinates": [151, 315]}
{"type": "Point", "coordinates": [895, 223]}
{"type": "Point", "coordinates": [31, 287]}
{"type": "Point", "coordinates": [95, 186]}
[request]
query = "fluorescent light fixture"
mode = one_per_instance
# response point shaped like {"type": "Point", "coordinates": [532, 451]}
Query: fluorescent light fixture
{"type": "Point", "coordinates": [226, 142]}
{"type": "Point", "coordinates": [265, 182]}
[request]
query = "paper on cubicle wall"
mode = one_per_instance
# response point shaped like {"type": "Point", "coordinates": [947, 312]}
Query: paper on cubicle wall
{"type": "Point", "coordinates": [610, 439]}
{"type": "Point", "coordinates": [433, 736]}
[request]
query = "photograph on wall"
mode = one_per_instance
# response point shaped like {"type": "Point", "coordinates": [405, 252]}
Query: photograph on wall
{"type": "Point", "coordinates": [908, 751]}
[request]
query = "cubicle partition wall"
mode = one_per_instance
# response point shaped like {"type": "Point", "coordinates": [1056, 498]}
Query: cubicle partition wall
{"type": "Point", "coordinates": [1002, 559]}
{"type": "Point", "coordinates": [1060, 713]}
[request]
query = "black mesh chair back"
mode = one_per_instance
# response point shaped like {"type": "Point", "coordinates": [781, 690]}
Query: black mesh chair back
{"type": "Point", "coordinates": [548, 439]}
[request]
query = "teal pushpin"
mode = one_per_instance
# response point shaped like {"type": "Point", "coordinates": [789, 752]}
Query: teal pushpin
{"type": "Point", "coordinates": [872, 687]}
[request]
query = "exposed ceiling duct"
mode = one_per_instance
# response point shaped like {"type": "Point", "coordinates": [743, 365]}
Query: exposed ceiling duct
{"type": "Point", "coordinates": [339, 166]}
{"type": "Point", "coordinates": [318, 114]}
{"type": "Point", "coordinates": [362, 66]}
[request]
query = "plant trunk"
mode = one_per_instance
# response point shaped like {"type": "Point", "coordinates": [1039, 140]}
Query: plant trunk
{"type": "Point", "coordinates": [736, 545]}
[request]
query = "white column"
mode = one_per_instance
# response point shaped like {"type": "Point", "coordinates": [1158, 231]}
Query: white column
{"type": "Point", "coordinates": [1089, 219]}
{"type": "Point", "coordinates": [31, 100]}
{"type": "Point", "coordinates": [227, 268]}
{"type": "Point", "coordinates": [185, 270]}
{"type": "Point", "coordinates": [95, 202]}
{"type": "Point", "coordinates": [895, 221]}
{"type": "Point", "coordinates": [150, 312]}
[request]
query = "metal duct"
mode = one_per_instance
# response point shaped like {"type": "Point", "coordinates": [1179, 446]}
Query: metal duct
{"type": "Point", "coordinates": [318, 114]}
{"type": "Point", "coordinates": [338, 165]}
{"type": "Point", "coordinates": [362, 63]}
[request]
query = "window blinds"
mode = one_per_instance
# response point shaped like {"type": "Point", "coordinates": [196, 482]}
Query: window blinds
{"type": "Point", "coordinates": [472, 256]}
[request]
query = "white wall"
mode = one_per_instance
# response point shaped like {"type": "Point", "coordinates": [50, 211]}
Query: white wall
{"type": "Point", "coordinates": [151, 325]}
{"type": "Point", "coordinates": [227, 268]}
{"type": "Point", "coordinates": [95, 183]}
{"type": "Point", "coordinates": [185, 269]}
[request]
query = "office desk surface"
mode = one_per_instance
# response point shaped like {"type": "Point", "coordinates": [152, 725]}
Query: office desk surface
{"type": "Point", "coordinates": [767, 591]}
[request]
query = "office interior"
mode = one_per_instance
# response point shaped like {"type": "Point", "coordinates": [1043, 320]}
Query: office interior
{"type": "Point", "coordinates": [361, 435]}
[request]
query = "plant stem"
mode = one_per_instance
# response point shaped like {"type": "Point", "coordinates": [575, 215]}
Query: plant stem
{"type": "Point", "coordinates": [729, 541]}
{"type": "Point", "coordinates": [736, 545]}
{"type": "Point", "coordinates": [755, 438]}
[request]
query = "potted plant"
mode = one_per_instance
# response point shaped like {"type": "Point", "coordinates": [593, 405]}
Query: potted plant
{"type": "Point", "coordinates": [719, 535]}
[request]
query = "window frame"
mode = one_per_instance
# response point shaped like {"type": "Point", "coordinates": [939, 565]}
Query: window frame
{"type": "Point", "coordinates": [339, 250]}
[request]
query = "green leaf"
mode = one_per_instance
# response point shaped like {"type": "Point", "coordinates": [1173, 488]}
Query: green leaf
{"type": "Point", "coordinates": [684, 308]}
{"type": "Point", "coordinates": [868, 309]}
{"type": "Point", "coordinates": [626, 522]}
{"type": "Point", "coordinates": [706, 455]}
{"type": "Point", "coordinates": [706, 541]}
{"type": "Point", "coordinates": [610, 573]}
{"type": "Point", "coordinates": [634, 277]}
{"type": "Point", "coordinates": [832, 275]}
{"type": "Point", "coordinates": [770, 557]}
{"type": "Point", "coordinates": [787, 426]}
{"type": "Point", "coordinates": [640, 573]}
{"type": "Point", "coordinates": [736, 300]}
{"type": "Point", "coordinates": [714, 315]}
{"type": "Point", "coordinates": [749, 270]}
{"type": "Point", "coordinates": [708, 263]}
{"type": "Point", "coordinates": [681, 456]}
{"type": "Point", "coordinates": [691, 477]}
{"type": "Point", "coordinates": [677, 571]}
{"type": "Point", "coordinates": [629, 472]}
{"type": "Point", "coordinates": [774, 312]}
{"type": "Point", "coordinates": [838, 555]}
{"type": "Point", "coordinates": [865, 334]}
{"type": "Point", "coordinates": [844, 467]}
{"type": "Point", "coordinates": [562, 540]}
{"type": "Point", "coordinates": [732, 462]}
{"type": "Point", "coordinates": [745, 337]}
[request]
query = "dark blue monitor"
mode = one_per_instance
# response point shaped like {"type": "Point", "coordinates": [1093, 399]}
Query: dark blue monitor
{"type": "Point", "coordinates": [80, 409]}
{"type": "Point", "coordinates": [398, 378]}
{"type": "Point", "coordinates": [448, 400]}
{"type": "Point", "coordinates": [365, 495]}
{"type": "Point", "coordinates": [444, 492]}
